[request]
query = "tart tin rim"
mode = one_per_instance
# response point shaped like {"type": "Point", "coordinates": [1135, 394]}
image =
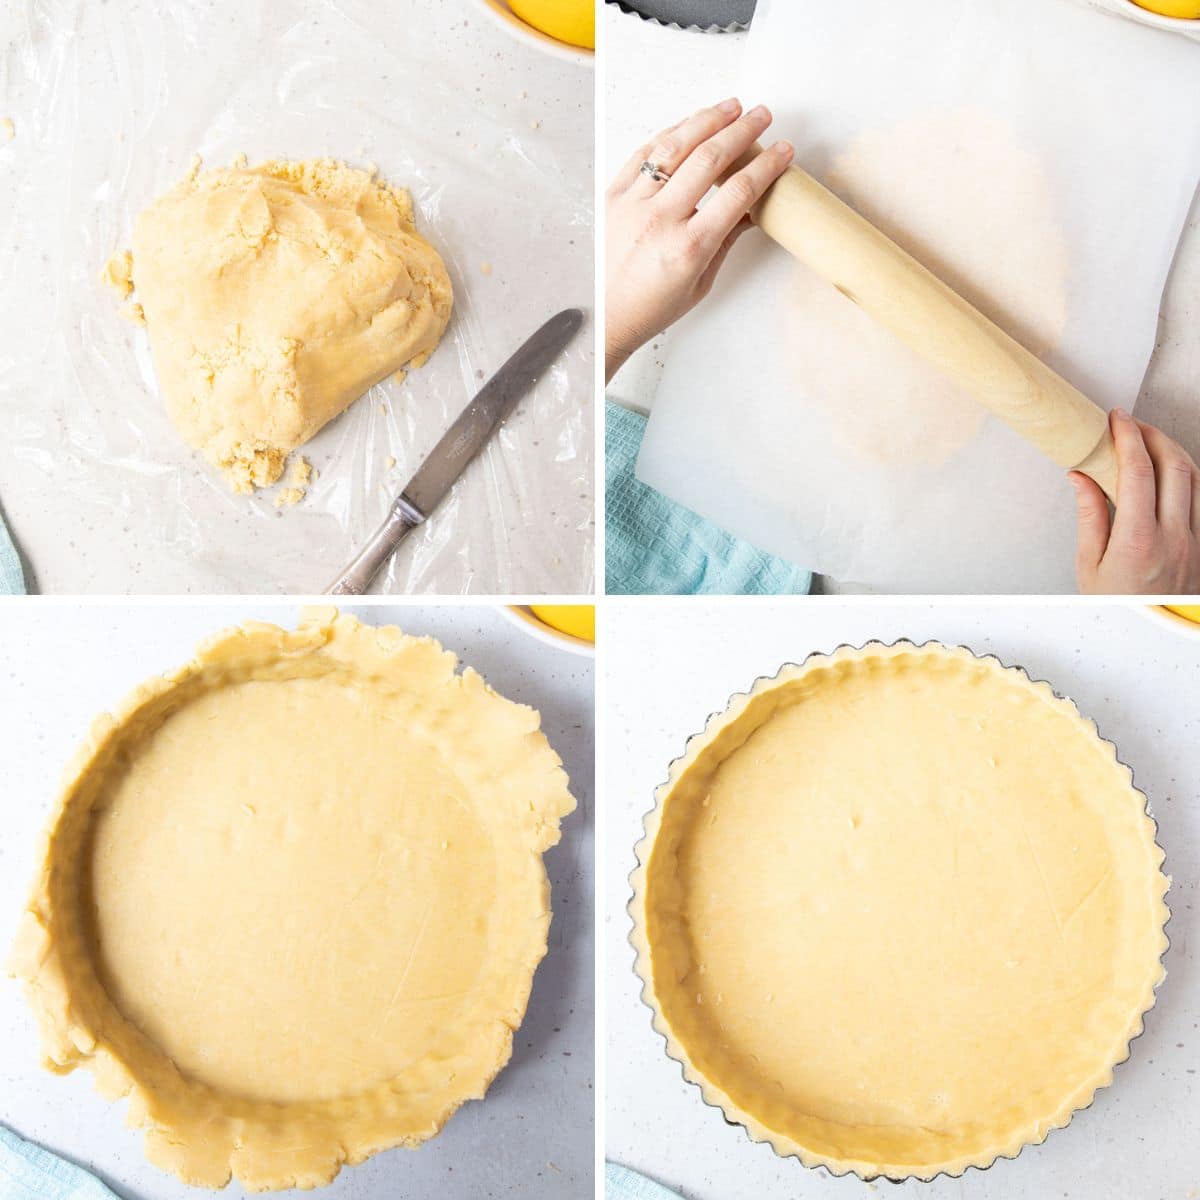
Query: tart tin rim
{"type": "Point", "coordinates": [636, 877]}
{"type": "Point", "coordinates": [629, 10]}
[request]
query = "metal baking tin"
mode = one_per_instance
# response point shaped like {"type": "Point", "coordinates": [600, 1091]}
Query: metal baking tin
{"type": "Point", "coordinates": [704, 16]}
{"type": "Point", "coordinates": [640, 864]}
{"type": "Point", "coordinates": [731, 16]}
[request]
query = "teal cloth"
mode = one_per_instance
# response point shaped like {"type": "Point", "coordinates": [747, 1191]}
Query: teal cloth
{"type": "Point", "coordinates": [28, 1172]}
{"type": "Point", "coordinates": [620, 1183]}
{"type": "Point", "coordinates": [12, 578]}
{"type": "Point", "coordinates": [654, 547]}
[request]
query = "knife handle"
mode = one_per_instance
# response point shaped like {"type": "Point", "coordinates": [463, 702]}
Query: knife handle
{"type": "Point", "coordinates": [402, 518]}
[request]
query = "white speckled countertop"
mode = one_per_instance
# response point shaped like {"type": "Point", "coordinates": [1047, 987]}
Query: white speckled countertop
{"type": "Point", "coordinates": [657, 75]}
{"type": "Point", "coordinates": [1135, 679]}
{"type": "Point", "coordinates": [532, 1138]}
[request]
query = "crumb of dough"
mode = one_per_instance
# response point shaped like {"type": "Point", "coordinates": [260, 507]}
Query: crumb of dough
{"type": "Point", "coordinates": [383, 409]}
{"type": "Point", "coordinates": [275, 296]}
{"type": "Point", "coordinates": [250, 467]}
{"type": "Point", "coordinates": [524, 95]}
{"type": "Point", "coordinates": [399, 377]}
{"type": "Point", "coordinates": [390, 461]}
{"type": "Point", "coordinates": [239, 159]}
{"type": "Point", "coordinates": [133, 313]}
{"type": "Point", "coordinates": [8, 130]}
{"type": "Point", "coordinates": [118, 273]}
{"type": "Point", "coordinates": [300, 475]}
{"type": "Point", "coordinates": [485, 268]}
{"type": "Point", "coordinates": [415, 364]}
{"type": "Point", "coordinates": [535, 124]}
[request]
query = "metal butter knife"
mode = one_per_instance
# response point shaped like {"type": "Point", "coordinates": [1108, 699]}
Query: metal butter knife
{"type": "Point", "coordinates": [459, 444]}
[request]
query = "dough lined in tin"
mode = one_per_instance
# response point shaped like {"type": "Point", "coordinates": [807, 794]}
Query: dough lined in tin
{"type": "Point", "coordinates": [899, 911]}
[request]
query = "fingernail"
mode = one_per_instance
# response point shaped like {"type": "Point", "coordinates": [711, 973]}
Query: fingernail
{"type": "Point", "coordinates": [785, 150]}
{"type": "Point", "coordinates": [729, 106]}
{"type": "Point", "coordinates": [1121, 414]}
{"type": "Point", "coordinates": [759, 112]}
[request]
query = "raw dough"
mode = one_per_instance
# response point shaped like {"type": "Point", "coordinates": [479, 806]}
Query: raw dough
{"type": "Point", "coordinates": [293, 900]}
{"type": "Point", "coordinates": [288, 497]}
{"type": "Point", "coordinates": [927, 184]}
{"type": "Point", "coordinates": [118, 274]}
{"type": "Point", "coordinates": [900, 911]}
{"type": "Point", "coordinates": [300, 475]}
{"type": "Point", "coordinates": [274, 297]}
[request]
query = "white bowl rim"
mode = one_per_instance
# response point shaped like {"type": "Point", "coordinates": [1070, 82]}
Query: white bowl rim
{"type": "Point", "coordinates": [1161, 615]}
{"type": "Point", "coordinates": [1160, 20]}
{"type": "Point", "coordinates": [522, 615]}
{"type": "Point", "coordinates": [507, 19]}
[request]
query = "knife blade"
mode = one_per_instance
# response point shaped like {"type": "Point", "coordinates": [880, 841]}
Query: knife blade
{"type": "Point", "coordinates": [457, 447]}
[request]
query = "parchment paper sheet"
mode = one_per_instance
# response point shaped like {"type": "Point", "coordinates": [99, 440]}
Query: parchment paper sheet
{"type": "Point", "coordinates": [1108, 110]}
{"type": "Point", "coordinates": [110, 102]}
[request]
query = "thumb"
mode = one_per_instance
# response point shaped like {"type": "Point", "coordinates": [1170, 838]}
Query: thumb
{"type": "Point", "coordinates": [708, 278]}
{"type": "Point", "coordinates": [1094, 522]}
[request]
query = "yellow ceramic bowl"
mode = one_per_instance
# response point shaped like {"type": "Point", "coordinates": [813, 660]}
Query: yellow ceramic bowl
{"type": "Point", "coordinates": [1185, 622]}
{"type": "Point", "coordinates": [1188, 10]}
{"type": "Point", "coordinates": [1178, 15]}
{"type": "Point", "coordinates": [507, 15]}
{"type": "Point", "coordinates": [570, 21]}
{"type": "Point", "coordinates": [565, 618]}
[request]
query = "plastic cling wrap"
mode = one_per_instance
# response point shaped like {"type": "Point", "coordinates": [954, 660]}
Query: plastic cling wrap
{"type": "Point", "coordinates": [109, 105]}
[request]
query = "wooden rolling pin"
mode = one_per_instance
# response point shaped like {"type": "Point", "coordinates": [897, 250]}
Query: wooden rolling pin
{"type": "Point", "coordinates": [868, 268]}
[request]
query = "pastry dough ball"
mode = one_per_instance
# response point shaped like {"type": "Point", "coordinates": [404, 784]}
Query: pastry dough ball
{"type": "Point", "coordinates": [275, 296]}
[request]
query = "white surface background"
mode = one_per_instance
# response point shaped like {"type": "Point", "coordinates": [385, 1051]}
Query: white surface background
{"type": "Point", "coordinates": [493, 138]}
{"type": "Point", "coordinates": [670, 664]}
{"type": "Point", "coordinates": [656, 75]}
{"type": "Point", "coordinates": [61, 666]}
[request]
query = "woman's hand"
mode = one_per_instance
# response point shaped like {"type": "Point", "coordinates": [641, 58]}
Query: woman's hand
{"type": "Point", "coordinates": [663, 254]}
{"type": "Point", "coordinates": [1152, 545]}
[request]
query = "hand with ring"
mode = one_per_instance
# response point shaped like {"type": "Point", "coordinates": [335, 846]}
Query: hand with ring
{"type": "Point", "coordinates": [663, 252]}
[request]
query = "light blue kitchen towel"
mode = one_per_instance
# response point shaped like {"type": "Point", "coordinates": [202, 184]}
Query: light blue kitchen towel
{"type": "Point", "coordinates": [12, 578]}
{"type": "Point", "coordinates": [28, 1172]}
{"type": "Point", "coordinates": [620, 1183]}
{"type": "Point", "coordinates": [654, 547]}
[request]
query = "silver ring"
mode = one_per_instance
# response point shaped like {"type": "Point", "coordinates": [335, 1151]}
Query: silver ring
{"type": "Point", "coordinates": [654, 171]}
